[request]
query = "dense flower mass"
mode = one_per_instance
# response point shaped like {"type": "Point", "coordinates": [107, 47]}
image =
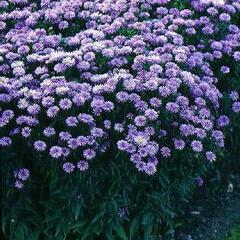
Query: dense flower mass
{"type": "Point", "coordinates": [79, 78]}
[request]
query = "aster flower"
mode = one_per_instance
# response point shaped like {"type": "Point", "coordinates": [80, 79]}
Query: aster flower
{"type": "Point", "coordinates": [40, 145]}
{"type": "Point", "coordinates": [179, 144]}
{"type": "Point", "coordinates": [5, 141]}
{"type": "Point", "coordinates": [210, 156]}
{"type": "Point", "coordinates": [18, 184]}
{"type": "Point", "coordinates": [49, 131]}
{"type": "Point", "coordinates": [89, 154]}
{"type": "Point", "coordinates": [150, 168]}
{"type": "Point", "coordinates": [23, 174]}
{"type": "Point", "coordinates": [82, 165]}
{"type": "Point", "coordinates": [236, 107]}
{"type": "Point", "coordinates": [196, 146]}
{"type": "Point", "coordinates": [166, 152]}
{"type": "Point", "coordinates": [223, 121]}
{"type": "Point", "coordinates": [65, 104]}
{"type": "Point", "coordinates": [26, 132]}
{"type": "Point", "coordinates": [68, 167]}
{"type": "Point", "coordinates": [56, 151]}
{"type": "Point", "coordinates": [199, 181]}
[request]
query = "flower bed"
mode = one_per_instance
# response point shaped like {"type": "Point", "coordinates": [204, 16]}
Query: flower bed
{"type": "Point", "coordinates": [125, 102]}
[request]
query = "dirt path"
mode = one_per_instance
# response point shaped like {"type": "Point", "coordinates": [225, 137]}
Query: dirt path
{"type": "Point", "coordinates": [214, 224]}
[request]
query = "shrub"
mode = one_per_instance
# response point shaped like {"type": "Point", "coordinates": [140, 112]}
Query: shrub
{"type": "Point", "coordinates": [112, 112]}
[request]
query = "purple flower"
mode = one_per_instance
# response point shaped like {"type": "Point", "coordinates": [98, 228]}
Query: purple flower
{"type": "Point", "coordinates": [223, 121]}
{"type": "Point", "coordinates": [18, 184]}
{"type": "Point", "coordinates": [224, 17]}
{"type": "Point", "coordinates": [65, 136]}
{"type": "Point", "coordinates": [166, 152]}
{"type": "Point", "coordinates": [121, 212]}
{"type": "Point", "coordinates": [56, 151]}
{"type": "Point", "coordinates": [234, 95]}
{"type": "Point", "coordinates": [49, 131]}
{"type": "Point", "coordinates": [5, 141]}
{"type": "Point", "coordinates": [89, 154]}
{"type": "Point", "coordinates": [210, 156]}
{"type": "Point", "coordinates": [140, 165]}
{"type": "Point", "coordinates": [196, 146]}
{"type": "Point", "coordinates": [236, 55]}
{"type": "Point", "coordinates": [122, 145]}
{"type": "Point", "coordinates": [150, 168]}
{"type": "Point", "coordinates": [98, 88]}
{"type": "Point", "coordinates": [68, 167]}
{"type": "Point", "coordinates": [82, 165]}
{"type": "Point", "coordinates": [65, 104]}
{"type": "Point", "coordinates": [73, 143]}
{"type": "Point", "coordinates": [26, 132]}
{"type": "Point", "coordinates": [225, 69]}
{"type": "Point", "coordinates": [40, 145]}
{"type": "Point", "coordinates": [86, 118]}
{"type": "Point", "coordinates": [172, 107]}
{"type": "Point", "coordinates": [179, 144]}
{"type": "Point", "coordinates": [23, 174]}
{"type": "Point", "coordinates": [118, 127]}
{"type": "Point", "coordinates": [151, 114]}
{"type": "Point", "coordinates": [236, 107]}
{"type": "Point", "coordinates": [199, 181]}
{"type": "Point", "coordinates": [140, 121]}
{"type": "Point", "coordinates": [52, 111]}
{"type": "Point", "coordinates": [71, 121]}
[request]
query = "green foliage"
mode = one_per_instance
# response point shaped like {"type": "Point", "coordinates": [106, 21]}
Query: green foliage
{"type": "Point", "coordinates": [86, 205]}
{"type": "Point", "coordinates": [234, 234]}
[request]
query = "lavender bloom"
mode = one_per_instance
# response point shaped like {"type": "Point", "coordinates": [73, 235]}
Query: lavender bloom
{"type": "Point", "coordinates": [151, 114]}
{"type": "Point", "coordinates": [121, 212]}
{"type": "Point", "coordinates": [26, 132]}
{"type": "Point", "coordinates": [52, 111]}
{"type": "Point", "coordinates": [199, 181]}
{"type": "Point", "coordinates": [65, 104]}
{"type": "Point", "coordinates": [49, 131]}
{"type": "Point", "coordinates": [150, 168]}
{"type": "Point", "coordinates": [196, 146]}
{"type": "Point", "coordinates": [179, 144]}
{"type": "Point", "coordinates": [65, 136]}
{"type": "Point", "coordinates": [140, 121]}
{"type": "Point", "coordinates": [5, 141]}
{"type": "Point", "coordinates": [82, 166]}
{"type": "Point", "coordinates": [236, 107]}
{"type": "Point", "coordinates": [68, 167]}
{"type": "Point", "coordinates": [223, 121]}
{"type": "Point", "coordinates": [23, 174]}
{"type": "Point", "coordinates": [89, 154]}
{"type": "Point", "coordinates": [18, 184]}
{"type": "Point", "coordinates": [225, 69]}
{"type": "Point", "coordinates": [166, 152]}
{"type": "Point", "coordinates": [118, 127]}
{"type": "Point", "coordinates": [71, 121]}
{"type": "Point", "coordinates": [56, 151]}
{"type": "Point", "coordinates": [236, 55]}
{"type": "Point", "coordinates": [210, 156]}
{"type": "Point", "coordinates": [234, 95]}
{"type": "Point", "coordinates": [40, 145]}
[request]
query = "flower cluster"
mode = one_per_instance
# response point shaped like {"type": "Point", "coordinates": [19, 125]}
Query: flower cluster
{"type": "Point", "coordinates": [21, 175]}
{"type": "Point", "coordinates": [80, 76]}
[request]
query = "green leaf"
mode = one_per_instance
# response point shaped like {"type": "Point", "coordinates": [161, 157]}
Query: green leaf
{"type": "Point", "coordinates": [93, 227]}
{"type": "Point", "coordinates": [134, 229]}
{"type": "Point", "coordinates": [76, 226]}
{"type": "Point", "coordinates": [121, 232]}
{"type": "Point", "coordinates": [108, 232]}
